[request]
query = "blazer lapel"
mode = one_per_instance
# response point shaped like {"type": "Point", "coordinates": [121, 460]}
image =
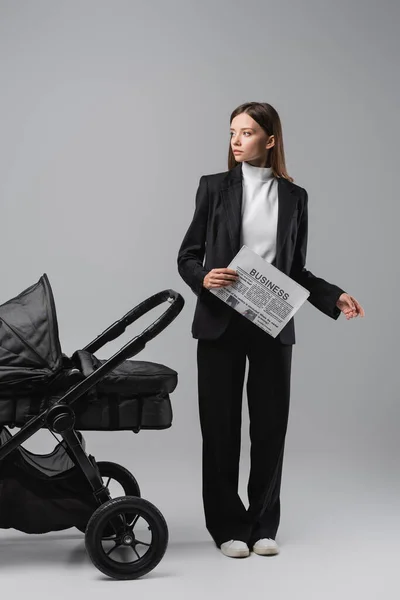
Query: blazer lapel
{"type": "Point", "coordinates": [231, 195]}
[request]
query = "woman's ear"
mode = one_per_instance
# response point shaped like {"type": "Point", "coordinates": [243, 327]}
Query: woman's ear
{"type": "Point", "coordinates": [271, 142]}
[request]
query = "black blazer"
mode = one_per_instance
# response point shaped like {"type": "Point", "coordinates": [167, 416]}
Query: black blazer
{"type": "Point", "coordinates": [215, 233]}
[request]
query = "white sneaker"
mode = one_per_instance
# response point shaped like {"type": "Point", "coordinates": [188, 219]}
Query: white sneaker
{"type": "Point", "coordinates": [235, 549]}
{"type": "Point", "coordinates": [266, 546]}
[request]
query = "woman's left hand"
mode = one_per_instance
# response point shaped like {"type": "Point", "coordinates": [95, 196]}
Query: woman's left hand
{"type": "Point", "coordinates": [349, 306]}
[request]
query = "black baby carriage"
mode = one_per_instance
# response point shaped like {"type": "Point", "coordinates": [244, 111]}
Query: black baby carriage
{"type": "Point", "coordinates": [40, 387]}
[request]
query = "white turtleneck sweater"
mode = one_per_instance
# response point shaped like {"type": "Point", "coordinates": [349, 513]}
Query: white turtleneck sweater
{"type": "Point", "coordinates": [259, 210]}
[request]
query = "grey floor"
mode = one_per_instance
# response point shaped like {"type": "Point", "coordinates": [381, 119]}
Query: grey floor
{"type": "Point", "coordinates": [339, 538]}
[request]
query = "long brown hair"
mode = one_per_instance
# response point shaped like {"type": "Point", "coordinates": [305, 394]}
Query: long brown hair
{"type": "Point", "coordinates": [267, 117]}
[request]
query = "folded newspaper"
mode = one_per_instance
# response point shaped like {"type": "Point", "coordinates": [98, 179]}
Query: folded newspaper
{"type": "Point", "coordinates": [262, 293]}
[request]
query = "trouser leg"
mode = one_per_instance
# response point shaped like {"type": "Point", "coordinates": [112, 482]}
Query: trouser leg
{"type": "Point", "coordinates": [268, 392]}
{"type": "Point", "coordinates": [221, 368]}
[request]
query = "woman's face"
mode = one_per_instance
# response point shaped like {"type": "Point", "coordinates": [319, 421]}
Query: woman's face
{"type": "Point", "coordinates": [249, 142]}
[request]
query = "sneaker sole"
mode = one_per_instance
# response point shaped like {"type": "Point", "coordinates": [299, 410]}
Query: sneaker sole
{"type": "Point", "coordinates": [238, 554]}
{"type": "Point", "coordinates": [266, 552]}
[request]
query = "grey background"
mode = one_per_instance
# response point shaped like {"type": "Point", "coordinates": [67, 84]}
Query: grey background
{"type": "Point", "coordinates": [110, 113]}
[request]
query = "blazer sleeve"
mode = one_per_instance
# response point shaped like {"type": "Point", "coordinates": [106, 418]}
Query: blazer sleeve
{"type": "Point", "coordinates": [323, 295]}
{"type": "Point", "coordinates": [192, 250]}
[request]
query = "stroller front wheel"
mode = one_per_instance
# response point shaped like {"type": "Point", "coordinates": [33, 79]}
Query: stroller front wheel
{"type": "Point", "coordinates": [128, 551]}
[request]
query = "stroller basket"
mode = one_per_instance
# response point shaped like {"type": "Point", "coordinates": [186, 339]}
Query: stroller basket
{"type": "Point", "coordinates": [41, 493]}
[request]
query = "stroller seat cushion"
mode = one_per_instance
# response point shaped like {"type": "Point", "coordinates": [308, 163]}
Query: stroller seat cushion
{"type": "Point", "coordinates": [132, 377]}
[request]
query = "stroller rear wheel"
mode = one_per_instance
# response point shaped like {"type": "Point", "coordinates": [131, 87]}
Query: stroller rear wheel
{"type": "Point", "coordinates": [111, 470]}
{"type": "Point", "coordinates": [128, 551]}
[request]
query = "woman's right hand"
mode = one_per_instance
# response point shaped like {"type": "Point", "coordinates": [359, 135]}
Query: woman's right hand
{"type": "Point", "coordinates": [220, 278]}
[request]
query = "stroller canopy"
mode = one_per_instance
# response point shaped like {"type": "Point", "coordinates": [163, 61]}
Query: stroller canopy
{"type": "Point", "coordinates": [29, 346]}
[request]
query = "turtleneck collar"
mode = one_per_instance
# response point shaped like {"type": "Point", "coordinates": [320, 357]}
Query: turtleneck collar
{"type": "Point", "coordinates": [251, 172]}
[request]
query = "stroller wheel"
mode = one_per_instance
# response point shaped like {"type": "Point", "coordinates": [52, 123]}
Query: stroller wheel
{"type": "Point", "coordinates": [113, 471]}
{"type": "Point", "coordinates": [137, 540]}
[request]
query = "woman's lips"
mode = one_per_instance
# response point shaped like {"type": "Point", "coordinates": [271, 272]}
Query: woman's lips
{"type": "Point", "coordinates": [237, 151]}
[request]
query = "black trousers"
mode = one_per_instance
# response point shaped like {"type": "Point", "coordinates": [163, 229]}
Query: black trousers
{"type": "Point", "coordinates": [221, 369]}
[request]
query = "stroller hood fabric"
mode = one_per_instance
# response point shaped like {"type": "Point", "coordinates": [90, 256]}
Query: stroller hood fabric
{"type": "Point", "coordinates": [30, 351]}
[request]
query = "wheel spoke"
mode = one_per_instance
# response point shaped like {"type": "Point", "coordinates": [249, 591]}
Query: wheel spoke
{"type": "Point", "coordinates": [134, 521]}
{"type": "Point", "coordinates": [108, 482]}
{"type": "Point", "coordinates": [142, 543]}
{"type": "Point", "coordinates": [137, 554]}
{"type": "Point", "coordinates": [113, 548]}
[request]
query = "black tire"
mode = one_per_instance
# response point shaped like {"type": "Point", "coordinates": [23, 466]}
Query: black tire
{"type": "Point", "coordinates": [111, 470]}
{"type": "Point", "coordinates": [100, 521]}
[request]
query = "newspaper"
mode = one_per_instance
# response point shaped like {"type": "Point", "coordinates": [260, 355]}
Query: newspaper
{"type": "Point", "coordinates": [262, 293]}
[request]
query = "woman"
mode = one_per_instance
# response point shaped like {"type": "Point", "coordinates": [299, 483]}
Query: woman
{"type": "Point", "coordinates": [257, 204]}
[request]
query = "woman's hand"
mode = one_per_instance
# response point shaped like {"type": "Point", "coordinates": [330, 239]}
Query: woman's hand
{"type": "Point", "coordinates": [220, 278]}
{"type": "Point", "coordinates": [349, 306]}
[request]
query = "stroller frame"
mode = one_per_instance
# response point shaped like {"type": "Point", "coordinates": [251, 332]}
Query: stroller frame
{"type": "Point", "coordinates": [60, 417]}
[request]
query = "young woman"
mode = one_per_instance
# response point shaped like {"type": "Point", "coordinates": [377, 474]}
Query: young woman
{"type": "Point", "coordinates": [257, 204]}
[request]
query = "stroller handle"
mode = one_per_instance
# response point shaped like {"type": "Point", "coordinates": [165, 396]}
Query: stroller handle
{"type": "Point", "coordinates": [133, 346]}
{"type": "Point", "coordinates": [139, 342]}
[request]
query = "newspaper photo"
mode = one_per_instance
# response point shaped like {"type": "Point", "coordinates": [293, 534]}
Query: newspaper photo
{"type": "Point", "coordinates": [262, 293]}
